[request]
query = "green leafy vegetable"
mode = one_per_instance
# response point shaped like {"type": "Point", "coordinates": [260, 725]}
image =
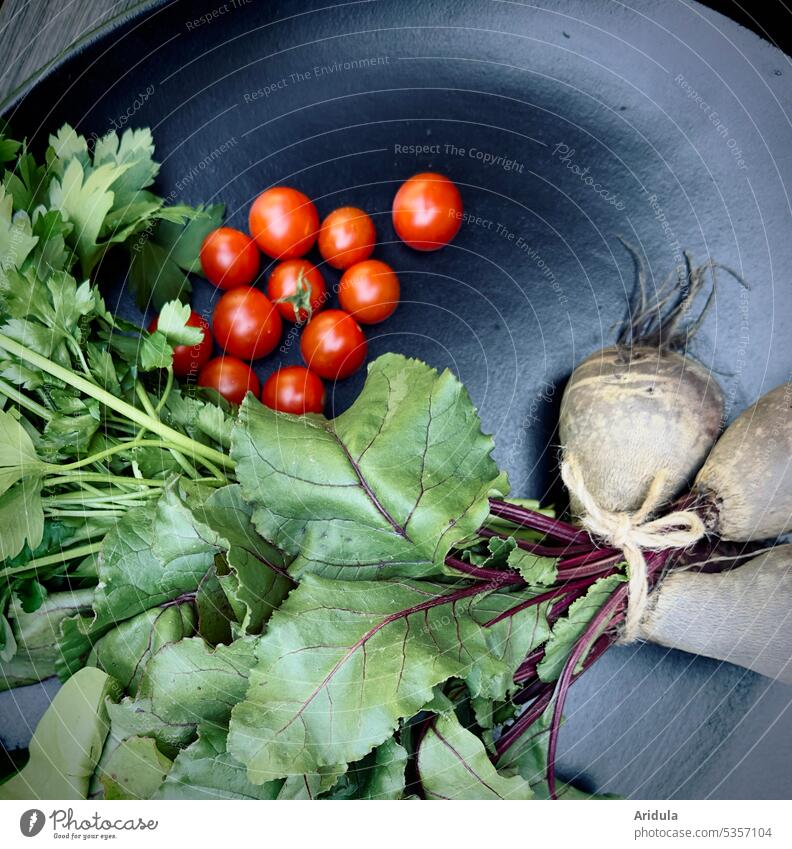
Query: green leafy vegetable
{"type": "Point", "coordinates": [21, 517]}
{"type": "Point", "coordinates": [380, 775]}
{"type": "Point", "coordinates": [161, 257]}
{"type": "Point", "coordinates": [342, 662]}
{"type": "Point", "coordinates": [453, 764]}
{"type": "Point", "coordinates": [68, 741]}
{"type": "Point", "coordinates": [172, 323]}
{"type": "Point", "coordinates": [16, 237]}
{"type": "Point", "coordinates": [536, 571]}
{"type": "Point", "coordinates": [205, 770]}
{"type": "Point", "coordinates": [135, 770]}
{"type": "Point", "coordinates": [81, 202]}
{"type": "Point", "coordinates": [217, 619]}
{"type": "Point", "coordinates": [85, 199]}
{"type": "Point", "coordinates": [297, 787]}
{"type": "Point", "coordinates": [189, 683]}
{"type": "Point", "coordinates": [36, 636]}
{"type": "Point", "coordinates": [385, 489]}
{"type": "Point", "coordinates": [132, 717]}
{"type": "Point", "coordinates": [132, 578]}
{"type": "Point", "coordinates": [253, 575]}
{"type": "Point", "coordinates": [18, 456]}
{"type": "Point", "coordinates": [125, 651]}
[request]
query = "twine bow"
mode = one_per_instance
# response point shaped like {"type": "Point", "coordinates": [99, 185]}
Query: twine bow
{"type": "Point", "coordinates": [634, 533]}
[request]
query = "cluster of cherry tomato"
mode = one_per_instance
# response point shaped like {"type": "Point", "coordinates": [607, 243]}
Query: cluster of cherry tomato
{"type": "Point", "coordinates": [284, 225]}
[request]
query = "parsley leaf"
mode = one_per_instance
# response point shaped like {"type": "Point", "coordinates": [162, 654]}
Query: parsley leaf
{"type": "Point", "coordinates": [85, 198]}
{"type": "Point", "coordinates": [161, 257]}
{"type": "Point", "coordinates": [172, 323]}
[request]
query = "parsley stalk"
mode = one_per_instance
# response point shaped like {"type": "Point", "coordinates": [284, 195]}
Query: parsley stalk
{"type": "Point", "coordinates": [31, 566]}
{"type": "Point", "coordinates": [108, 452]}
{"type": "Point", "coordinates": [151, 423]}
{"type": "Point", "coordinates": [20, 398]}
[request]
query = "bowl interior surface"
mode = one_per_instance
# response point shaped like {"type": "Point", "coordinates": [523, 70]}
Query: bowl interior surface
{"type": "Point", "coordinates": [566, 126]}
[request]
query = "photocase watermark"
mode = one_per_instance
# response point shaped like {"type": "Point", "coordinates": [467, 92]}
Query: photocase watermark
{"type": "Point", "coordinates": [714, 119]}
{"type": "Point", "coordinates": [292, 337]}
{"type": "Point", "coordinates": [566, 156]}
{"type": "Point", "coordinates": [314, 73]}
{"type": "Point", "coordinates": [216, 13]}
{"type": "Point", "coordinates": [485, 157]}
{"type": "Point", "coordinates": [121, 121]}
{"type": "Point", "coordinates": [66, 826]}
{"type": "Point", "coordinates": [196, 353]}
{"type": "Point", "coordinates": [137, 104]}
{"type": "Point", "coordinates": [31, 822]}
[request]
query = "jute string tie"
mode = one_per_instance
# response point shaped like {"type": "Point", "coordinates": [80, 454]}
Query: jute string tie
{"type": "Point", "coordinates": [634, 533]}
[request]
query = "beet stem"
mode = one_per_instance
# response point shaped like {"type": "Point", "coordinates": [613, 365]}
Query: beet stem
{"type": "Point", "coordinates": [528, 677]}
{"type": "Point", "coordinates": [494, 575]}
{"type": "Point", "coordinates": [532, 688]}
{"type": "Point", "coordinates": [554, 593]}
{"type": "Point", "coordinates": [530, 662]}
{"type": "Point", "coordinates": [524, 721]}
{"type": "Point", "coordinates": [598, 569]}
{"type": "Point", "coordinates": [583, 564]}
{"type": "Point", "coordinates": [606, 555]}
{"type": "Point", "coordinates": [566, 602]}
{"type": "Point", "coordinates": [537, 548]}
{"type": "Point", "coordinates": [538, 522]}
{"type": "Point", "coordinates": [537, 687]}
{"type": "Point", "coordinates": [583, 645]}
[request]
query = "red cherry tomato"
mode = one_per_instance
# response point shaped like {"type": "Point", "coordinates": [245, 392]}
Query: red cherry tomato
{"type": "Point", "coordinates": [346, 236]}
{"type": "Point", "coordinates": [369, 291]}
{"type": "Point", "coordinates": [297, 289]}
{"type": "Point", "coordinates": [188, 360]}
{"type": "Point", "coordinates": [246, 324]}
{"type": "Point", "coordinates": [229, 258]}
{"type": "Point", "coordinates": [427, 211]}
{"type": "Point", "coordinates": [294, 389]}
{"type": "Point", "coordinates": [232, 378]}
{"type": "Point", "coordinates": [284, 222]}
{"type": "Point", "coordinates": [333, 345]}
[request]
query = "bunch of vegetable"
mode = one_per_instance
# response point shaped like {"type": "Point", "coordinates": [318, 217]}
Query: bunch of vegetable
{"type": "Point", "coordinates": [71, 469]}
{"type": "Point", "coordinates": [133, 542]}
{"type": "Point", "coordinates": [257, 604]}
